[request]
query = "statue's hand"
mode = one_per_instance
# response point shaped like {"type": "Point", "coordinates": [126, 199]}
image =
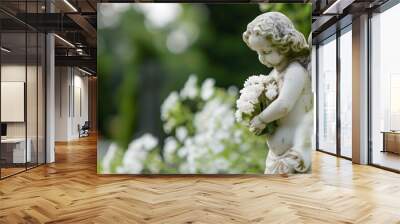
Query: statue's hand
{"type": "Point", "coordinates": [257, 125]}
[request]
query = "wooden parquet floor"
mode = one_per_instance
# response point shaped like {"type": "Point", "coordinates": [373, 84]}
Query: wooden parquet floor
{"type": "Point", "coordinates": [70, 191]}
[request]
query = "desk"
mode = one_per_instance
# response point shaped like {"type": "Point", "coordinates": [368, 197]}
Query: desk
{"type": "Point", "coordinates": [391, 141]}
{"type": "Point", "coordinates": [17, 150]}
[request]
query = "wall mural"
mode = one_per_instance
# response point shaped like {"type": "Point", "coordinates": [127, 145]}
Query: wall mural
{"type": "Point", "coordinates": [204, 89]}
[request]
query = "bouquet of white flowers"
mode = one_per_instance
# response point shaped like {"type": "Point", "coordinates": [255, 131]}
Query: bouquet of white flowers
{"type": "Point", "coordinates": [258, 92]}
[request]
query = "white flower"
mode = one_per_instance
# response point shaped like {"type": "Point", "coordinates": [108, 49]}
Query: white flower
{"type": "Point", "coordinates": [266, 79]}
{"type": "Point", "coordinates": [190, 90]}
{"type": "Point", "coordinates": [168, 104]}
{"type": "Point", "coordinates": [221, 164]}
{"type": "Point", "coordinates": [182, 152]}
{"type": "Point", "coordinates": [133, 160]}
{"type": "Point", "coordinates": [251, 93]}
{"type": "Point", "coordinates": [250, 96]}
{"type": "Point", "coordinates": [245, 107]}
{"type": "Point", "coordinates": [169, 125]}
{"type": "Point", "coordinates": [108, 158]}
{"type": "Point", "coordinates": [132, 168]}
{"type": "Point", "coordinates": [238, 116]}
{"type": "Point", "coordinates": [271, 91]}
{"type": "Point", "coordinates": [170, 146]}
{"type": "Point", "coordinates": [136, 154]}
{"type": "Point", "coordinates": [252, 80]}
{"type": "Point", "coordinates": [181, 133]}
{"type": "Point", "coordinates": [207, 89]}
{"type": "Point", "coordinates": [149, 141]}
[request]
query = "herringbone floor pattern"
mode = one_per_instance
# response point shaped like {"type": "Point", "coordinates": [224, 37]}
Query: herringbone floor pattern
{"type": "Point", "coordinates": [70, 191]}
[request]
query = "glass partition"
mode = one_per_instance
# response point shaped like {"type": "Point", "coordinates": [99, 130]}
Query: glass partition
{"type": "Point", "coordinates": [13, 108]}
{"type": "Point", "coordinates": [22, 78]}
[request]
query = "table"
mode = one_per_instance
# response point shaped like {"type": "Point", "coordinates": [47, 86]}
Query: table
{"type": "Point", "coordinates": [17, 150]}
{"type": "Point", "coordinates": [391, 141]}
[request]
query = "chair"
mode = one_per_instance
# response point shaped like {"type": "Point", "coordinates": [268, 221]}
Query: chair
{"type": "Point", "coordinates": [84, 130]}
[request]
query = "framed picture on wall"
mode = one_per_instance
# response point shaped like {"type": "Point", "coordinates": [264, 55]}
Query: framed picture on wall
{"type": "Point", "coordinates": [12, 101]}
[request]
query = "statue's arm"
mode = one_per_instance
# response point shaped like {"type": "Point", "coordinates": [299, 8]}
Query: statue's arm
{"type": "Point", "coordinates": [292, 87]}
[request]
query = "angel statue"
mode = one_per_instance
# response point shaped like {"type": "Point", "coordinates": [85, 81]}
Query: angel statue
{"type": "Point", "coordinates": [284, 49]}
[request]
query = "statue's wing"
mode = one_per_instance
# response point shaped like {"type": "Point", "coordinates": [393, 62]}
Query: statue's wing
{"type": "Point", "coordinates": [309, 68]}
{"type": "Point", "coordinates": [306, 61]}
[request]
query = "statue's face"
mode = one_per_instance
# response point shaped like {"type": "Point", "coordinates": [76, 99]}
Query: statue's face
{"type": "Point", "coordinates": [267, 54]}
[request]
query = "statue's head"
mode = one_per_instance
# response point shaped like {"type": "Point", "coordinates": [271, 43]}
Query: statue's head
{"type": "Point", "coordinates": [273, 36]}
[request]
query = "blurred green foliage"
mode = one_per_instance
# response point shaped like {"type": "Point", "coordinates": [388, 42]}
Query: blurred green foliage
{"type": "Point", "coordinates": [130, 52]}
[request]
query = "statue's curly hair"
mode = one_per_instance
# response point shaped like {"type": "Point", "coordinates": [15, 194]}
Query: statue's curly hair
{"type": "Point", "coordinates": [278, 29]}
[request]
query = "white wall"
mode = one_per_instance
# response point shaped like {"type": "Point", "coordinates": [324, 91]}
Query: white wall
{"type": "Point", "coordinates": [61, 103]}
{"type": "Point", "coordinates": [71, 94]}
{"type": "Point", "coordinates": [80, 100]}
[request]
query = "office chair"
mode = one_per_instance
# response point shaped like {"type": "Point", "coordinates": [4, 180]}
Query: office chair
{"type": "Point", "coordinates": [84, 130]}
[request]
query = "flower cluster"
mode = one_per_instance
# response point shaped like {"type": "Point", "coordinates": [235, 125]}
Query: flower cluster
{"type": "Point", "coordinates": [211, 141]}
{"type": "Point", "coordinates": [258, 92]}
{"type": "Point", "coordinates": [196, 145]}
{"type": "Point", "coordinates": [201, 137]}
{"type": "Point", "coordinates": [170, 106]}
{"type": "Point", "coordinates": [213, 124]}
{"type": "Point", "coordinates": [140, 157]}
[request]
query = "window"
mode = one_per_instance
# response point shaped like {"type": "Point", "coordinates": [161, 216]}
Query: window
{"type": "Point", "coordinates": [327, 96]}
{"type": "Point", "coordinates": [385, 89]}
{"type": "Point", "coordinates": [346, 92]}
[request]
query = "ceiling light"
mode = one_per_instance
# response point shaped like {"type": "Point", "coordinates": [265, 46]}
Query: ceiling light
{"type": "Point", "coordinates": [5, 50]}
{"type": "Point", "coordinates": [79, 51]}
{"type": "Point", "coordinates": [70, 5]}
{"type": "Point", "coordinates": [65, 41]}
{"type": "Point", "coordinates": [84, 71]}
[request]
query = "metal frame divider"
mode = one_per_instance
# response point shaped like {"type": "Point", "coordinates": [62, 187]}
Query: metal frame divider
{"type": "Point", "coordinates": [316, 97]}
{"type": "Point", "coordinates": [338, 73]}
{"type": "Point", "coordinates": [369, 125]}
{"type": "Point", "coordinates": [26, 86]}
{"type": "Point", "coordinates": [0, 92]}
